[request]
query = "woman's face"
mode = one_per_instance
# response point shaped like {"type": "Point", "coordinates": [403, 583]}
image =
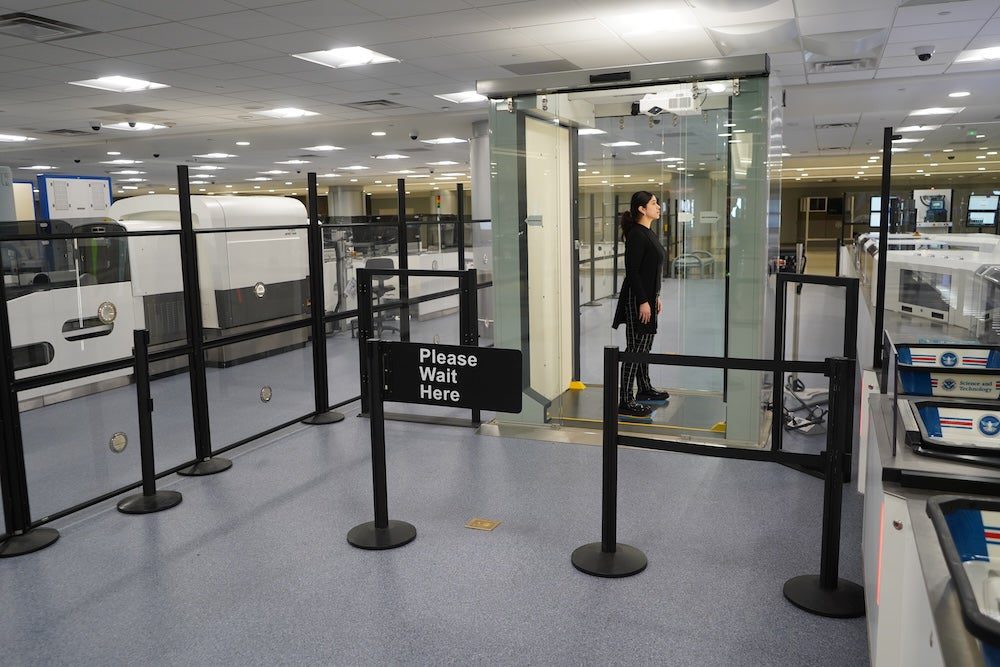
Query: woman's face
{"type": "Point", "coordinates": [652, 209]}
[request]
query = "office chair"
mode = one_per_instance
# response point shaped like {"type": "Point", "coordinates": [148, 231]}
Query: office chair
{"type": "Point", "coordinates": [380, 321]}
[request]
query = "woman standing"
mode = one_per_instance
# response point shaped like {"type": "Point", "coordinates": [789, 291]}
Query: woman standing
{"type": "Point", "coordinates": [639, 295]}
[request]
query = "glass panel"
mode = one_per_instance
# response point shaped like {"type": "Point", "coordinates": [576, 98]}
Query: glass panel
{"type": "Point", "coordinates": [68, 456]}
{"type": "Point", "coordinates": [257, 392]}
{"type": "Point", "coordinates": [173, 425]}
{"type": "Point", "coordinates": [342, 363]}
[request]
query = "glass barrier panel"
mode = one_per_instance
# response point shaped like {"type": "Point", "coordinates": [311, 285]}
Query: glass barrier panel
{"type": "Point", "coordinates": [80, 448]}
{"type": "Point", "coordinates": [173, 423]}
{"type": "Point", "coordinates": [342, 360]}
{"type": "Point", "coordinates": [258, 385]}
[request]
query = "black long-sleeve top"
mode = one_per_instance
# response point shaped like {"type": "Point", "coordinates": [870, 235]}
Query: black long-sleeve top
{"type": "Point", "coordinates": [644, 257]}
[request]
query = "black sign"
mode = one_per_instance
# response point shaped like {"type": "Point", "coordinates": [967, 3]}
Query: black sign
{"type": "Point", "coordinates": [459, 376]}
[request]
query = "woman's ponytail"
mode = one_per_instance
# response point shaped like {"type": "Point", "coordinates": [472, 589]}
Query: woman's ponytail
{"type": "Point", "coordinates": [627, 223]}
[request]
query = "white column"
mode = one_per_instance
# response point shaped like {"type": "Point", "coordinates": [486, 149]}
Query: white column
{"type": "Point", "coordinates": [479, 169]}
{"type": "Point", "coordinates": [345, 201]}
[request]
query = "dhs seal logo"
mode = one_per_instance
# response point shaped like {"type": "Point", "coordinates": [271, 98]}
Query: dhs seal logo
{"type": "Point", "coordinates": [989, 426]}
{"type": "Point", "coordinates": [949, 359]}
{"type": "Point", "coordinates": [949, 385]}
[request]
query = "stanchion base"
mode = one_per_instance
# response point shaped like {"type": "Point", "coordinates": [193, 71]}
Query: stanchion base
{"type": "Point", "coordinates": [624, 562]}
{"type": "Point", "coordinates": [847, 600]}
{"type": "Point", "coordinates": [328, 417]}
{"type": "Point", "coordinates": [26, 543]}
{"type": "Point", "coordinates": [140, 504]}
{"type": "Point", "coordinates": [396, 534]}
{"type": "Point", "coordinates": [214, 465]}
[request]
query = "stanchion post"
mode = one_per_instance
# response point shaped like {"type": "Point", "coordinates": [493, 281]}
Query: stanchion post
{"type": "Point", "coordinates": [207, 464]}
{"type": "Point", "coordinates": [460, 227]}
{"type": "Point", "coordinates": [828, 594]}
{"type": "Point", "coordinates": [20, 538]}
{"type": "Point", "coordinates": [150, 500]}
{"type": "Point", "coordinates": [608, 558]}
{"type": "Point", "coordinates": [404, 261]}
{"type": "Point", "coordinates": [317, 302]}
{"type": "Point", "coordinates": [382, 533]}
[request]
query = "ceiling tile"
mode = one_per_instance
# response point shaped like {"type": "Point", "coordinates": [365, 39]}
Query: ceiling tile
{"type": "Point", "coordinates": [537, 12]}
{"type": "Point", "coordinates": [448, 63]}
{"type": "Point", "coordinates": [329, 75]}
{"type": "Point", "coordinates": [686, 46]}
{"type": "Point", "coordinates": [367, 34]}
{"type": "Point", "coordinates": [896, 49]}
{"type": "Point", "coordinates": [9, 63]}
{"type": "Point", "coordinates": [523, 55]}
{"type": "Point", "coordinates": [452, 23]}
{"type": "Point", "coordinates": [393, 9]}
{"type": "Point", "coordinates": [98, 15]}
{"type": "Point", "coordinates": [323, 13]}
{"type": "Point", "coordinates": [172, 35]}
{"type": "Point", "coordinates": [792, 80]}
{"type": "Point", "coordinates": [929, 33]}
{"type": "Point", "coordinates": [937, 63]}
{"type": "Point", "coordinates": [830, 77]}
{"type": "Point", "coordinates": [244, 25]}
{"type": "Point", "coordinates": [570, 31]}
{"type": "Point", "coordinates": [227, 72]}
{"type": "Point", "coordinates": [923, 70]}
{"type": "Point", "coordinates": [598, 53]}
{"type": "Point", "coordinates": [991, 28]}
{"type": "Point", "coordinates": [233, 52]}
{"type": "Point", "coordinates": [294, 42]}
{"type": "Point", "coordinates": [108, 45]}
{"type": "Point", "coordinates": [776, 11]}
{"type": "Point", "coordinates": [48, 54]}
{"type": "Point", "coordinates": [929, 14]}
{"type": "Point", "coordinates": [179, 10]}
{"type": "Point", "coordinates": [844, 22]}
{"type": "Point", "coordinates": [283, 65]}
{"type": "Point", "coordinates": [170, 60]}
{"type": "Point", "coordinates": [424, 48]}
{"type": "Point", "coordinates": [819, 7]}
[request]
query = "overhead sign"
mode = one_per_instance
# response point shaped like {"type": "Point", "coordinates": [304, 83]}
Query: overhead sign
{"type": "Point", "coordinates": [459, 376]}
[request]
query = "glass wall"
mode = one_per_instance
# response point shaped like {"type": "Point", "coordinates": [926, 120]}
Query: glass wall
{"type": "Point", "coordinates": [707, 164]}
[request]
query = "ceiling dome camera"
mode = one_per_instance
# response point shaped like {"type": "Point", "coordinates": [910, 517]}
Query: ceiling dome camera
{"type": "Point", "coordinates": [924, 53]}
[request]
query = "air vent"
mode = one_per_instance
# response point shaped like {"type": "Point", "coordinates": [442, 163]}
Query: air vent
{"type": "Point", "coordinates": [843, 65]}
{"type": "Point", "coordinates": [39, 29]}
{"type": "Point", "coordinates": [541, 67]}
{"type": "Point", "coordinates": [127, 109]}
{"type": "Point", "coordinates": [68, 133]}
{"type": "Point", "coordinates": [374, 105]}
{"type": "Point", "coordinates": [835, 148]}
{"type": "Point", "coordinates": [835, 126]}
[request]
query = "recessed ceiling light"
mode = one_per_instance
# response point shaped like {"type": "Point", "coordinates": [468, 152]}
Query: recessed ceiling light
{"type": "Point", "coordinates": [323, 147]}
{"type": "Point", "coordinates": [920, 171]}
{"type": "Point", "coordinates": [258, 178]}
{"type": "Point", "coordinates": [330, 175]}
{"type": "Point", "coordinates": [198, 182]}
{"type": "Point", "coordinates": [114, 152]}
{"type": "Point", "coordinates": [15, 137]}
{"type": "Point", "coordinates": [619, 144]}
{"type": "Point", "coordinates": [391, 156]}
{"type": "Point", "coordinates": [803, 174]}
{"type": "Point", "coordinates": [982, 168]}
{"type": "Point", "coordinates": [119, 84]}
{"type": "Point", "coordinates": [590, 130]}
{"type": "Point", "coordinates": [256, 187]}
{"type": "Point", "coordinates": [937, 111]}
{"type": "Point", "coordinates": [134, 126]}
{"type": "Point", "coordinates": [295, 161]}
{"type": "Point", "coordinates": [980, 136]}
{"type": "Point", "coordinates": [288, 182]}
{"type": "Point", "coordinates": [287, 112]}
{"type": "Point", "coordinates": [420, 176]}
{"type": "Point", "coordinates": [216, 156]}
{"type": "Point", "coordinates": [581, 169]}
{"type": "Point", "coordinates": [130, 187]}
{"type": "Point", "coordinates": [354, 180]}
{"type": "Point", "coordinates": [908, 140]}
{"type": "Point", "coordinates": [442, 163]}
{"type": "Point", "coordinates": [960, 93]}
{"type": "Point", "coordinates": [242, 143]}
{"type": "Point", "coordinates": [273, 171]}
{"type": "Point", "coordinates": [980, 157]}
{"type": "Point", "coordinates": [933, 164]}
{"type": "Point", "coordinates": [208, 167]}
{"type": "Point", "coordinates": [991, 152]}
{"type": "Point", "coordinates": [948, 150]}
{"type": "Point", "coordinates": [37, 167]}
{"type": "Point", "coordinates": [403, 171]}
{"type": "Point", "coordinates": [133, 179]}
{"type": "Point", "coordinates": [348, 56]}
{"type": "Point", "coordinates": [446, 178]}
{"type": "Point", "coordinates": [127, 172]}
{"type": "Point", "coordinates": [717, 87]}
{"type": "Point", "coordinates": [453, 173]}
{"type": "Point", "coordinates": [647, 152]}
{"type": "Point", "coordinates": [917, 128]}
{"type": "Point", "coordinates": [443, 140]}
{"type": "Point", "coordinates": [900, 150]}
{"type": "Point", "coordinates": [229, 186]}
{"type": "Point", "coordinates": [355, 167]}
{"type": "Point", "coordinates": [786, 155]}
{"type": "Point", "coordinates": [465, 97]}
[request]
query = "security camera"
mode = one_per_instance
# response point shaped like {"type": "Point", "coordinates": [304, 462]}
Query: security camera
{"type": "Point", "coordinates": [431, 170]}
{"type": "Point", "coordinates": [924, 53]}
{"type": "Point", "coordinates": [131, 123]}
{"type": "Point", "coordinates": [414, 134]}
{"type": "Point", "coordinates": [77, 160]}
{"type": "Point", "coordinates": [95, 125]}
{"type": "Point", "coordinates": [156, 155]}
{"type": "Point", "coordinates": [951, 157]}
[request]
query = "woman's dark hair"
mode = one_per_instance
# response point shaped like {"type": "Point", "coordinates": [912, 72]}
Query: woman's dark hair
{"type": "Point", "coordinates": [630, 218]}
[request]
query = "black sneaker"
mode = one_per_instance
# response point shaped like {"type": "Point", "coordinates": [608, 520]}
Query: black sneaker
{"type": "Point", "coordinates": [633, 409]}
{"type": "Point", "coordinates": [652, 396]}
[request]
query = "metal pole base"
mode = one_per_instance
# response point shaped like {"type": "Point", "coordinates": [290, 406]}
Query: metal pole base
{"type": "Point", "coordinates": [328, 417]}
{"type": "Point", "coordinates": [140, 504]}
{"type": "Point", "coordinates": [623, 562]}
{"type": "Point", "coordinates": [847, 600]}
{"type": "Point", "coordinates": [591, 304]}
{"type": "Point", "coordinates": [25, 543]}
{"type": "Point", "coordinates": [396, 534]}
{"type": "Point", "coordinates": [214, 465]}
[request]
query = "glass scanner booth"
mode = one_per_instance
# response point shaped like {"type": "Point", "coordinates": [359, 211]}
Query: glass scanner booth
{"type": "Point", "coordinates": [567, 150]}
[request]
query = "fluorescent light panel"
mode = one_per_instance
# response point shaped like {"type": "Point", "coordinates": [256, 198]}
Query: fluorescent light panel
{"type": "Point", "coordinates": [323, 147]}
{"type": "Point", "coordinates": [442, 163]}
{"type": "Point", "coordinates": [287, 112]}
{"type": "Point", "coordinates": [620, 144]}
{"type": "Point", "coordinates": [11, 138]}
{"type": "Point", "coordinates": [216, 156]}
{"type": "Point", "coordinates": [937, 111]}
{"type": "Point", "coordinates": [465, 97]}
{"type": "Point", "coordinates": [348, 56]}
{"type": "Point", "coordinates": [443, 140]}
{"type": "Point", "coordinates": [119, 84]}
{"type": "Point", "coordinates": [918, 128]}
{"type": "Point", "coordinates": [134, 126]}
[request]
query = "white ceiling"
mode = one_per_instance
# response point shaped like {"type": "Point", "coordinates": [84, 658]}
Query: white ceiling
{"type": "Point", "coordinates": [226, 60]}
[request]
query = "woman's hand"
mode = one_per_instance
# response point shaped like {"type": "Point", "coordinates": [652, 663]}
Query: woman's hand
{"type": "Point", "coordinates": [659, 306]}
{"type": "Point", "coordinates": [645, 314]}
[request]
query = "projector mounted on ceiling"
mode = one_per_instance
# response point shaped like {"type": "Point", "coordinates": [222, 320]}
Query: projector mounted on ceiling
{"type": "Point", "coordinates": [679, 103]}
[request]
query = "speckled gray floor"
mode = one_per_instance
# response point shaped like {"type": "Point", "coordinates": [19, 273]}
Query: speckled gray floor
{"type": "Point", "coordinates": [253, 567]}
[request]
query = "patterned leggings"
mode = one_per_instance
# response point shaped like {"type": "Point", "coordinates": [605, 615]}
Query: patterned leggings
{"type": "Point", "coordinates": [634, 342]}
